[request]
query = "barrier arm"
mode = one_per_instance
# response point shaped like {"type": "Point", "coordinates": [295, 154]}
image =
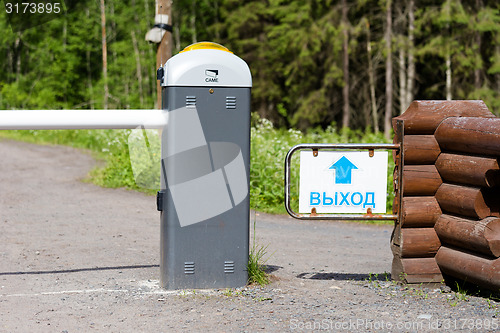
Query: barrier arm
{"type": "Point", "coordinates": [335, 147]}
{"type": "Point", "coordinates": [81, 119]}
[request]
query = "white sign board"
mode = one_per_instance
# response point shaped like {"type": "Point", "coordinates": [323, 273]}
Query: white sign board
{"type": "Point", "coordinates": [343, 182]}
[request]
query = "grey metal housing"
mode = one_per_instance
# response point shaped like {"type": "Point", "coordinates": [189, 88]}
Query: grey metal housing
{"type": "Point", "coordinates": [213, 252]}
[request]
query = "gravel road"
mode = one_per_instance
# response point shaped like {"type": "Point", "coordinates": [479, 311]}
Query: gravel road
{"type": "Point", "coordinates": [79, 258]}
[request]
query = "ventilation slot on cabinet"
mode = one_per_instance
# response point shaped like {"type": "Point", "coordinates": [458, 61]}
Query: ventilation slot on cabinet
{"type": "Point", "coordinates": [189, 267]}
{"type": "Point", "coordinates": [228, 267]}
{"type": "Point", "coordinates": [190, 101]}
{"type": "Point", "coordinates": [230, 102]}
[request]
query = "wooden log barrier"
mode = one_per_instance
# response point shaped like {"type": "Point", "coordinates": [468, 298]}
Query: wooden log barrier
{"type": "Point", "coordinates": [463, 200]}
{"type": "Point", "coordinates": [472, 268]}
{"type": "Point", "coordinates": [421, 180]}
{"type": "Point", "coordinates": [479, 236]}
{"type": "Point", "coordinates": [419, 242]}
{"type": "Point", "coordinates": [418, 212]}
{"type": "Point", "coordinates": [470, 170]}
{"type": "Point", "coordinates": [423, 117]}
{"type": "Point", "coordinates": [414, 241]}
{"type": "Point", "coordinates": [420, 149]}
{"type": "Point", "coordinates": [472, 135]}
{"type": "Point", "coordinates": [416, 270]}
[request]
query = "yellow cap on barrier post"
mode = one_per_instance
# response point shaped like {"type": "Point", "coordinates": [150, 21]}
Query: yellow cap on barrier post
{"type": "Point", "coordinates": [204, 46]}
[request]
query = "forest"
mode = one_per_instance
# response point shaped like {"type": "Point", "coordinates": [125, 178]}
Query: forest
{"type": "Point", "coordinates": [315, 64]}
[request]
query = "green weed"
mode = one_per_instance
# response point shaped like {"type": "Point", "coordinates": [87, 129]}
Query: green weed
{"type": "Point", "coordinates": [228, 292]}
{"type": "Point", "coordinates": [493, 306]}
{"type": "Point", "coordinates": [262, 299]}
{"type": "Point", "coordinates": [461, 293]}
{"type": "Point", "coordinates": [256, 267]}
{"type": "Point", "coordinates": [256, 262]}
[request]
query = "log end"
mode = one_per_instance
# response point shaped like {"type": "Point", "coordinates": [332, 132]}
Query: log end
{"type": "Point", "coordinates": [492, 235]}
{"type": "Point", "coordinates": [423, 117]}
{"type": "Point", "coordinates": [492, 178]}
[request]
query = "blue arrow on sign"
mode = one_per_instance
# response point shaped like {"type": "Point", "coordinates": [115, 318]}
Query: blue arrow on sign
{"type": "Point", "coordinates": [343, 170]}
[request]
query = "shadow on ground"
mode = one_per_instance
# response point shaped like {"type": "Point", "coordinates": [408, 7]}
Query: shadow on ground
{"type": "Point", "coordinates": [77, 270]}
{"type": "Point", "coordinates": [344, 276]}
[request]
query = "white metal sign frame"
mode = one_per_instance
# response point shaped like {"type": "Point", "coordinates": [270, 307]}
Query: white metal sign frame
{"type": "Point", "coordinates": [339, 147]}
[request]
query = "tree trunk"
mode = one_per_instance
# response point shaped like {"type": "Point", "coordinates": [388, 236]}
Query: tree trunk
{"type": "Point", "coordinates": [113, 31]}
{"type": "Point", "coordinates": [367, 112]}
{"type": "Point", "coordinates": [89, 78]}
{"type": "Point", "coordinates": [18, 56]}
{"type": "Point", "coordinates": [10, 61]}
{"type": "Point", "coordinates": [138, 67]}
{"type": "Point", "coordinates": [477, 71]}
{"type": "Point", "coordinates": [104, 55]}
{"type": "Point", "coordinates": [388, 72]}
{"type": "Point", "coordinates": [194, 36]}
{"type": "Point", "coordinates": [65, 33]}
{"type": "Point", "coordinates": [65, 43]}
{"type": "Point", "coordinates": [448, 76]}
{"type": "Point", "coordinates": [402, 80]}
{"type": "Point", "coordinates": [345, 66]}
{"type": "Point", "coordinates": [89, 68]}
{"type": "Point", "coordinates": [127, 93]}
{"type": "Point", "coordinates": [371, 77]}
{"type": "Point", "coordinates": [149, 83]}
{"type": "Point", "coordinates": [410, 86]}
{"type": "Point", "coordinates": [478, 40]}
{"type": "Point", "coordinates": [217, 30]}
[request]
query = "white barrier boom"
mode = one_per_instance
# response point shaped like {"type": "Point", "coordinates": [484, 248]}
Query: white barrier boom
{"type": "Point", "coordinates": [81, 119]}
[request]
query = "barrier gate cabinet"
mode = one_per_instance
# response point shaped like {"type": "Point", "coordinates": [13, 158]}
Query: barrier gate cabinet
{"type": "Point", "coordinates": [204, 196]}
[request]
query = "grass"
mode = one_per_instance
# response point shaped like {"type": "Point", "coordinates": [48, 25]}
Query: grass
{"type": "Point", "coordinates": [256, 262]}
{"type": "Point", "coordinates": [256, 267]}
{"type": "Point", "coordinates": [459, 295]}
{"type": "Point", "coordinates": [268, 150]}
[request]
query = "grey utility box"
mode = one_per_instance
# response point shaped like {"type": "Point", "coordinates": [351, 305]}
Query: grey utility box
{"type": "Point", "coordinates": [204, 197]}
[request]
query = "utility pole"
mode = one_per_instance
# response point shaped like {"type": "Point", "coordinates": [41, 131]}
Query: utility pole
{"type": "Point", "coordinates": [161, 34]}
